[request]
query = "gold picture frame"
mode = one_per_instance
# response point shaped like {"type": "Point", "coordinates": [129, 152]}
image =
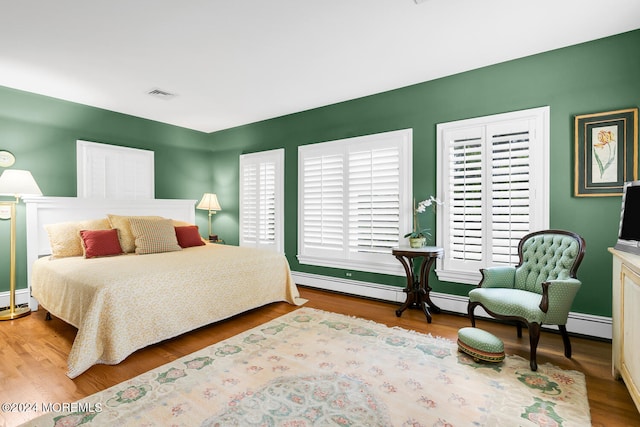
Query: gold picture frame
{"type": "Point", "coordinates": [606, 152]}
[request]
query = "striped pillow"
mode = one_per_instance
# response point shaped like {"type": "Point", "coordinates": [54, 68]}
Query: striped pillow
{"type": "Point", "coordinates": [122, 224]}
{"type": "Point", "coordinates": [154, 235]}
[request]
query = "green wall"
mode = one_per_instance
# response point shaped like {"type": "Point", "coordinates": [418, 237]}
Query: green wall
{"type": "Point", "coordinates": [41, 132]}
{"type": "Point", "coordinates": [591, 77]}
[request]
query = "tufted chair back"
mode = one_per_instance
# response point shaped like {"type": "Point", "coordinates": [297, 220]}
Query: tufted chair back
{"type": "Point", "coordinates": [539, 290]}
{"type": "Point", "coordinates": [547, 255]}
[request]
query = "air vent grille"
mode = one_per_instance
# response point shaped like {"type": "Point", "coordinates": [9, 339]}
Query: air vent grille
{"type": "Point", "coordinates": [159, 93]}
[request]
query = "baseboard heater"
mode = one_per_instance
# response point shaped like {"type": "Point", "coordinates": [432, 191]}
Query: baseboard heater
{"type": "Point", "coordinates": [579, 323]}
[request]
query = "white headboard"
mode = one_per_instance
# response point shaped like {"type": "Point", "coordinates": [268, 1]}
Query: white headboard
{"type": "Point", "coordinates": [51, 210]}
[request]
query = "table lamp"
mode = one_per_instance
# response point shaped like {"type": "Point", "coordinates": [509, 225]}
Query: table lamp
{"type": "Point", "coordinates": [210, 203]}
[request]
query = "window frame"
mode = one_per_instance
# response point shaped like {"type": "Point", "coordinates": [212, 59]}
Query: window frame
{"type": "Point", "coordinates": [468, 273]}
{"type": "Point", "coordinates": [275, 157]}
{"type": "Point", "coordinates": [106, 171]}
{"type": "Point", "coordinates": [345, 258]}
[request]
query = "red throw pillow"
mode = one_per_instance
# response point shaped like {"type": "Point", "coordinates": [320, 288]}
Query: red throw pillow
{"type": "Point", "coordinates": [97, 243]}
{"type": "Point", "coordinates": [188, 236]}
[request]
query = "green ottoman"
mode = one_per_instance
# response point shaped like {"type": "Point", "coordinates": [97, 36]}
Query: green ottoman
{"type": "Point", "coordinates": [481, 345]}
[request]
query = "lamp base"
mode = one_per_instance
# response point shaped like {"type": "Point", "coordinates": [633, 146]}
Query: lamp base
{"type": "Point", "coordinates": [213, 237]}
{"type": "Point", "coordinates": [15, 313]}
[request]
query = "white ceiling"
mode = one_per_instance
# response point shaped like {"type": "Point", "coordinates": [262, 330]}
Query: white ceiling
{"type": "Point", "coordinates": [233, 62]}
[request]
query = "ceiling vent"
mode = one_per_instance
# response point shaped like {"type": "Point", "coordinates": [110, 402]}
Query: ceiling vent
{"type": "Point", "coordinates": [158, 93]}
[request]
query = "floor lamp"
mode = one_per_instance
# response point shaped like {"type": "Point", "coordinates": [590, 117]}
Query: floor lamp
{"type": "Point", "coordinates": [15, 183]}
{"type": "Point", "coordinates": [210, 203]}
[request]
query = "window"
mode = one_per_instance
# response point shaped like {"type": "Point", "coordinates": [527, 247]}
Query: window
{"type": "Point", "coordinates": [113, 172]}
{"type": "Point", "coordinates": [262, 200]}
{"type": "Point", "coordinates": [354, 201]}
{"type": "Point", "coordinates": [493, 179]}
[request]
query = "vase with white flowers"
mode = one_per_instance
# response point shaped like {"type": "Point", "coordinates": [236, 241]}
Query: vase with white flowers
{"type": "Point", "coordinates": [418, 237]}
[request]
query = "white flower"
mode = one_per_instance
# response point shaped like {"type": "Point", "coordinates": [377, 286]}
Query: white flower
{"type": "Point", "coordinates": [422, 206]}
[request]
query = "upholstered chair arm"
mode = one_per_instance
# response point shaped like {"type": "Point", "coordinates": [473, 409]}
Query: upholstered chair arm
{"type": "Point", "coordinates": [557, 298]}
{"type": "Point", "coordinates": [497, 277]}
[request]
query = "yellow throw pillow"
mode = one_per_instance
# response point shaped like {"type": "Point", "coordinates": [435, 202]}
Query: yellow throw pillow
{"type": "Point", "coordinates": [179, 223]}
{"type": "Point", "coordinates": [64, 237]}
{"type": "Point", "coordinates": [121, 223]}
{"type": "Point", "coordinates": [154, 235]}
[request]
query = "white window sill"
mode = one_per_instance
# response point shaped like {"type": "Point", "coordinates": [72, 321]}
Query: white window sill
{"type": "Point", "coordinates": [459, 276]}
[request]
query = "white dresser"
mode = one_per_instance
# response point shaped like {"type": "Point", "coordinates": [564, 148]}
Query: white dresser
{"type": "Point", "coordinates": [626, 320]}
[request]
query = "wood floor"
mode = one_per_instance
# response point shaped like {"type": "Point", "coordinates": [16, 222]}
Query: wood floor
{"type": "Point", "coordinates": [33, 354]}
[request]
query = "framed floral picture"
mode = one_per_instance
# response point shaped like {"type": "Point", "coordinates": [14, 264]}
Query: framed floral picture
{"type": "Point", "coordinates": [606, 152]}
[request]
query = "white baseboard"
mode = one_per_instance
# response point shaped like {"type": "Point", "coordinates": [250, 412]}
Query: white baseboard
{"type": "Point", "coordinates": [578, 323]}
{"type": "Point", "coordinates": [22, 297]}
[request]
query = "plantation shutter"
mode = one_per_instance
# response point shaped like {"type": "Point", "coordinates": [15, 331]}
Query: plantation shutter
{"type": "Point", "coordinates": [267, 205]}
{"type": "Point", "coordinates": [323, 203]}
{"type": "Point", "coordinates": [354, 201]}
{"type": "Point", "coordinates": [494, 187]}
{"type": "Point", "coordinates": [510, 189]}
{"type": "Point", "coordinates": [261, 195]}
{"type": "Point", "coordinates": [465, 196]}
{"type": "Point", "coordinates": [111, 172]}
{"type": "Point", "coordinates": [374, 200]}
{"type": "Point", "coordinates": [249, 218]}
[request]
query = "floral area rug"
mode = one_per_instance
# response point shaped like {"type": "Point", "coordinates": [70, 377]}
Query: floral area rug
{"type": "Point", "coordinates": [315, 368]}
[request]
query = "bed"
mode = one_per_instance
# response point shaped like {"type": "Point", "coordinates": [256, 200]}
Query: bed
{"type": "Point", "coordinates": [122, 303]}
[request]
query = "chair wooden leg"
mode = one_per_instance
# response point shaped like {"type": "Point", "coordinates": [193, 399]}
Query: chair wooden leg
{"type": "Point", "coordinates": [534, 337]}
{"type": "Point", "coordinates": [470, 309]}
{"type": "Point", "coordinates": [519, 329]}
{"type": "Point", "coordinates": [565, 340]}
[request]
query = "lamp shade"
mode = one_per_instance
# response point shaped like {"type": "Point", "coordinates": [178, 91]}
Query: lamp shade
{"type": "Point", "coordinates": [18, 183]}
{"type": "Point", "coordinates": [209, 202]}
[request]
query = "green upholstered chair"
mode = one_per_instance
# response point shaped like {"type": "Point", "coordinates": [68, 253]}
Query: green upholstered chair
{"type": "Point", "coordinates": [539, 290]}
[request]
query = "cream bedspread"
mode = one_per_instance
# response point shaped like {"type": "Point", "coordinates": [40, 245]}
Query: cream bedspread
{"type": "Point", "coordinates": [123, 303]}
